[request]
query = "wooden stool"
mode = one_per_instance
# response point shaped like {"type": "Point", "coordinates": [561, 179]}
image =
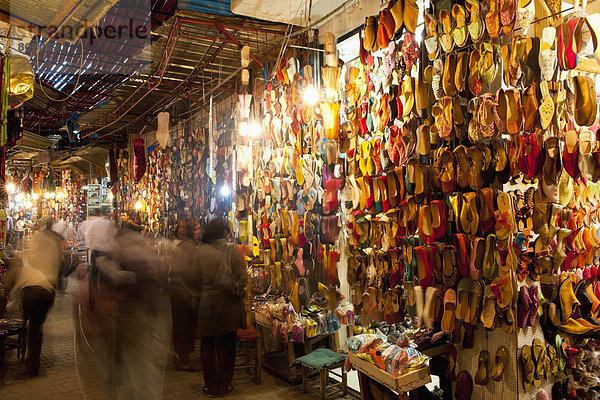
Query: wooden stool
{"type": "Point", "coordinates": [323, 361]}
{"type": "Point", "coordinates": [251, 361]}
{"type": "Point", "coordinates": [16, 338]}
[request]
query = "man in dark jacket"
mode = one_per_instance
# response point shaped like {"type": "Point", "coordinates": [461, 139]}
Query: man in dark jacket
{"type": "Point", "coordinates": [222, 278]}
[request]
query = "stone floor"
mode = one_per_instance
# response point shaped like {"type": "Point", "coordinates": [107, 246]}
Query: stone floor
{"type": "Point", "coordinates": [70, 366]}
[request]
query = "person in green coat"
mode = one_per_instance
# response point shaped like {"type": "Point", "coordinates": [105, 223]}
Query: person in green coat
{"type": "Point", "coordinates": [222, 277]}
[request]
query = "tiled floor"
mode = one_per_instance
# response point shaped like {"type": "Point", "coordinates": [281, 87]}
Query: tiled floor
{"type": "Point", "coordinates": [71, 368]}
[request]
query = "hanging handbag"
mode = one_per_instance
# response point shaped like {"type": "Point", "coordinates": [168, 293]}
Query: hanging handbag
{"type": "Point", "coordinates": [138, 159]}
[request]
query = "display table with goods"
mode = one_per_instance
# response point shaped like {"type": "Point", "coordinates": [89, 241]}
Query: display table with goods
{"type": "Point", "coordinates": [397, 366]}
{"type": "Point", "coordinates": [288, 334]}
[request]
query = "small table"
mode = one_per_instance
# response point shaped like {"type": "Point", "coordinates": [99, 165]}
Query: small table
{"type": "Point", "coordinates": [281, 364]}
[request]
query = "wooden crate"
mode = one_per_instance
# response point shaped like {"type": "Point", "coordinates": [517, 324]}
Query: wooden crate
{"type": "Point", "coordinates": [411, 380]}
{"type": "Point", "coordinates": [262, 319]}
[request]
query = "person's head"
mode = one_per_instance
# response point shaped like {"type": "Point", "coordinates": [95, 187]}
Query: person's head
{"type": "Point", "coordinates": [60, 227]}
{"type": "Point", "coordinates": [45, 223]}
{"type": "Point", "coordinates": [217, 229]}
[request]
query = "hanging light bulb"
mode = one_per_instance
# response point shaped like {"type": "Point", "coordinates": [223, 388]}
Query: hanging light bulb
{"type": "Point", "coordinates": [253, 129]}
{"type": "Point", "coordinates": [138, 205]}
{"type": "Point", "coordinates": [225, 190]}
{"type": "Point", "coordinates": [243, 128]}
{"type": "Point", "coordinates": [310, 95]}
{"type": "Point", "coordinates": [11, 188]}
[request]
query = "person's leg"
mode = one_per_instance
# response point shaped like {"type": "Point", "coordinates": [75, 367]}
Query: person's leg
{"type": "Point", "coordinates": [36, 303]}
{"type": "Point", "coordinates": [226, 348]}
{"type": "Point", "coordinates": [209, 357]}
{"type": "Point", "coordinates": [182, 329]}
{"type": "Point", "coordinates": [93, 280]}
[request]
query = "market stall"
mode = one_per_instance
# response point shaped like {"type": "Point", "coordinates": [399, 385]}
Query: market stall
{"type": "Point", "coordinates": [449, 171]}
{"type": "Point", "coordinates": [411, 183]}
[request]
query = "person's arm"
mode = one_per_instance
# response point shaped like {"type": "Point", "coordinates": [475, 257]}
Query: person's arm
{"type": "Point", "coordinates": [115, 275]}
{"type": "Point", "coordinates": [239, 271]}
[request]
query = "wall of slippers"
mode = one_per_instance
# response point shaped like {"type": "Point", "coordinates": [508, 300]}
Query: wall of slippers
{"type": "Point", "coordinates": [456, 172]}
{"type": "Point", "coordinates": [162, 184]}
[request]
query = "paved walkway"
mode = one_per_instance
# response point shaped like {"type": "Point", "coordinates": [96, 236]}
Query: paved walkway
{"type": "Point", "coordinates": [70, 366]}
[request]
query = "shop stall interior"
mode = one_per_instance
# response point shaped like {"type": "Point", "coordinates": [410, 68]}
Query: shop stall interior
{"type": "Point", "coordinates": [356, 199]}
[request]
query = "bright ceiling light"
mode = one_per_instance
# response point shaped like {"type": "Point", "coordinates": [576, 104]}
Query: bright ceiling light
{"type": "Point", "coordinates": [254, 129]}
{"type": "Point", "coordinates": [310, 95]}
{"type": "Point", "coordinates": [225, 190]}
{"type": "Point", "coordinates": [243, 128]}
{"type": "Point", "coordinates": [11, 188]}
{"type": "Point", "coordinates": [138, 205]}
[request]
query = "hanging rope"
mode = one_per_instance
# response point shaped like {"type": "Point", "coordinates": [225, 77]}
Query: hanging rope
{"type": "Point", "coordinates": [5, 90]}
{"type": "Point", "coordinates": [37, 58]}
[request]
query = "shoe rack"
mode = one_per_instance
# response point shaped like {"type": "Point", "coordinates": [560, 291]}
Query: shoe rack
{"type": "Point", "coordinates": [511, 385]}
{"type": "Point", "coordinates": [468, 359]}
{"type": "Point", "coordinates": [525, 336]}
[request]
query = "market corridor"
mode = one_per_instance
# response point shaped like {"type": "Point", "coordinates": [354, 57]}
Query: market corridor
{"type": "Point", "coordinates": [65, 376]}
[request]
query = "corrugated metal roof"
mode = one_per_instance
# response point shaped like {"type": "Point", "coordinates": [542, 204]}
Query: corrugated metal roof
{"type": "Point", "coordinates": [107, 63]}
{"type": "Point", "coordinates": [81, 15]}
{"type": "Point", "coordinates": [207, 51]}
{"type": "Point", "coordinates": [202, 57]}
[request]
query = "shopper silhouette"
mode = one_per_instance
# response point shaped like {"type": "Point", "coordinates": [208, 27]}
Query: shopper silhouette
{"type": "Point", "coordinates": [222, 278]}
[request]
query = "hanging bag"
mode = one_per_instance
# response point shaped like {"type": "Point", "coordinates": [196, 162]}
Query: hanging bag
{"type": "Point", "coordinates": [138, 159]}
{"type": "Point", "coordinates": [21, 80]}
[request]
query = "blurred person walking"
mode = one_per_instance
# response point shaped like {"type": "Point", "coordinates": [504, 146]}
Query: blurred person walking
{"type": "Point", "coordinates": [98, 233]}
{"type": "Point", "coordinates": [183, 290]}
{"type": "Point", "coordinates": [135, 360]}
{"type": "Point", "coordinates": [67, 266]}
{"type": "Point", "coordinates": [222, 277]}
{"type": "Point", "coordinates": [38, 280]}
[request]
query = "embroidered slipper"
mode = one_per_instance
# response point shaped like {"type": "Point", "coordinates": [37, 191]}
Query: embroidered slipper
{"type": "Point", "coordinates": [548, 53]}
{"type": "Point", "coordinates": [448, 319]}
{"type": "Point", "coordinates": [500, 363]}
{"type": "Point", "coordinates": [488, 313]}
{"type": "Point", "coordinates": [460, 34]}
{"type": "Point", "coordinates": [446, 37]}
{"type": "Point", "coordinates": [492, 19]}
{"type": "Point", "coordinates": [525, 14]}
{"type": "Point", "coordinates": [482, 375]}
{"type": "Point", "coordinates": [475, 25]}
{"type": "Point", "coordinates": [528, 366]}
